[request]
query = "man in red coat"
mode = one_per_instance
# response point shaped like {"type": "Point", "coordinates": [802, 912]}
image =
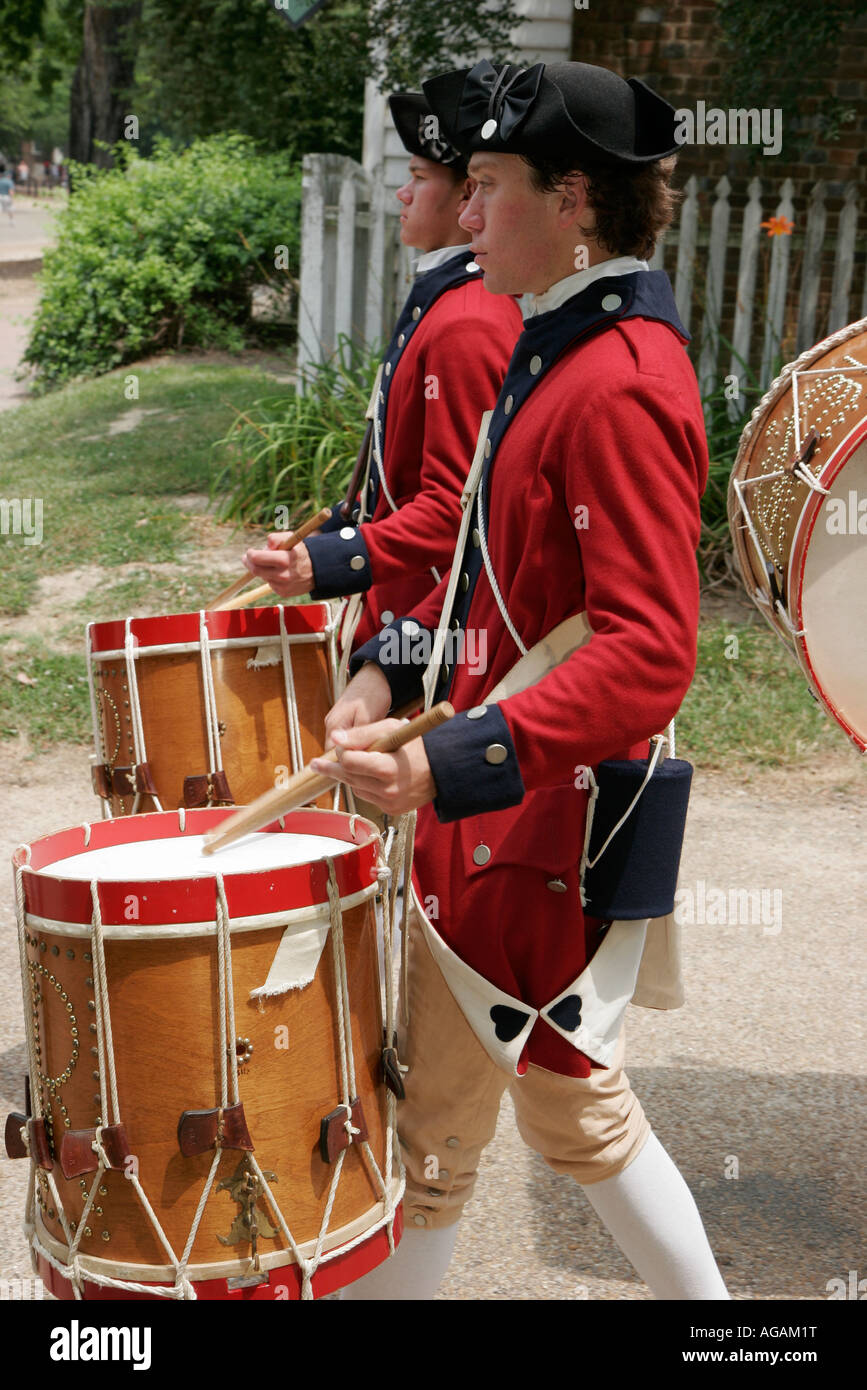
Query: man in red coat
{"type": "Point", "coordinates": [593, 467]}
{"type": "Point", "coordinates": [444, 366]}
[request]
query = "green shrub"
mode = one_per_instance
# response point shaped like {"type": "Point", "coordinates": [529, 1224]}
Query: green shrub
{"type": "Point", "coordinates": [297, 450]}
{"type": "Point", "coordinates": [164, 252]}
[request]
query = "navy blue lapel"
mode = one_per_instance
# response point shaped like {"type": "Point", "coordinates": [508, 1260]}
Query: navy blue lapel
{"type": "Point", "coordinates": [642, 294]}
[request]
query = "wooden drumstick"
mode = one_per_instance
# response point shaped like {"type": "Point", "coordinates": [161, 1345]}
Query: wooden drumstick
{"type": "Point", "coordinates": [223, 600]}
{"type": "Point", "coordinates": [308, 784]}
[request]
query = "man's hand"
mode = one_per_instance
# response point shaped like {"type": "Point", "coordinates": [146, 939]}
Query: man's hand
{"type": "Point", "coordinates": [289, 572]}
{"type": "Point", "coordinates": [366, 699]}
{"type": "Point", "coordinates": [396, 782]}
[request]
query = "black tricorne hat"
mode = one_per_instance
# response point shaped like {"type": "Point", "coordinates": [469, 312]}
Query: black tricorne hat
{"type": "Point", "coordinates": [419, 130]}
{"type": "Point", "coordinates": [553, 112]}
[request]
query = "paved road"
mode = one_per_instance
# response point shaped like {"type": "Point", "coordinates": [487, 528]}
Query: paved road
{"type": "Point", "coordinates": [757, 1087]}
{"type": "Point", "coordinates": [22, 244]}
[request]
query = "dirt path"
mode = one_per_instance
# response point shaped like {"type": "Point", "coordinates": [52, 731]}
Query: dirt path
{"type": "Point", "coordinates": [756, 1087]}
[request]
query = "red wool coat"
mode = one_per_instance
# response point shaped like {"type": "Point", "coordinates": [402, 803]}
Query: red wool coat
{"type": "Point", "coordinates": [439, 384]}
{"type": "Point", "coordinates": [592, 503]}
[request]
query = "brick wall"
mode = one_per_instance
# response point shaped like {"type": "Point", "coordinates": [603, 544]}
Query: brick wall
{"type": "Point", "coordinates": [677, 48]}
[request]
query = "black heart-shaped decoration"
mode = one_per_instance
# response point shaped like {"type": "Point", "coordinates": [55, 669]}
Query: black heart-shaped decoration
{"type": "Point", "coordinates": [507, 1022]}
{"type": "Point", "coordinates": [567, 1012]}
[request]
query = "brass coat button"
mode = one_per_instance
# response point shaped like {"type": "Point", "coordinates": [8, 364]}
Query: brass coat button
{"type": "Point", "coordinates": [496, 753]}
{"type": "Point", "coordinates": [481, 854]}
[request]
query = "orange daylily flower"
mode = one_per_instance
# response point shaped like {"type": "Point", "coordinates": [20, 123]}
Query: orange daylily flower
{"type": "Point", "coordinates": [779, 226]}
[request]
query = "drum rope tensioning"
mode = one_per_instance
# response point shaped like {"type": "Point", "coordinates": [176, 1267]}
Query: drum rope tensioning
{"type": "Point", "coordinates": [797, 500]}
{"type": "Point", "coordinates": [53, 908]}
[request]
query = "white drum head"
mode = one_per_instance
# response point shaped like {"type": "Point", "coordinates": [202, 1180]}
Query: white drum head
{"type": "Point", "coordinates": [832, 596]}
{"type": "Point", "coordinates": [151, 861]}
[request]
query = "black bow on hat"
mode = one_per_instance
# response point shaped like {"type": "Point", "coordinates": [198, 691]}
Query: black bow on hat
{"type": "Point", "coordinates": [496, 103]}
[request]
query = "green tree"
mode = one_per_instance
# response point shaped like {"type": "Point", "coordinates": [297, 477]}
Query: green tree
{"type": "Point", "coordinates": [204, 66]}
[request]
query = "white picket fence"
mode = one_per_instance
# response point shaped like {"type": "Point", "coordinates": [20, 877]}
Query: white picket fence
{"type": "Point", "coordinates": [355, 273]}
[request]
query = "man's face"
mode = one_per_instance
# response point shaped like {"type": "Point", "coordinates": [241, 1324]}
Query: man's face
{"type": "Point", "coordinates": [517, 232]}
{"type": "Point", "coordinates": [432, 199]}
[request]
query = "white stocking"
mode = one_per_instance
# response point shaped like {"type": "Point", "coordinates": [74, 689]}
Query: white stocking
{"type": "Point", "coordinates": [414, 1271]}
{"type": "Point", "coordinates": [650, 1212]}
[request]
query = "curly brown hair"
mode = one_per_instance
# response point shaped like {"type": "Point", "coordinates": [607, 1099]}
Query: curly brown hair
{"type": "Point", "coordinates": [633, 207]}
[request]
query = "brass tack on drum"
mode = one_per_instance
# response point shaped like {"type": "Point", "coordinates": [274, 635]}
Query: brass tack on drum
{"type": "Point", "coordinates": [89, 980]}
{"type": "Point", "coordinates": [97, 1100]}
{"type": "Point", "coordinates": [55, 950]}
{"type": "Point", "coordinates": [43, 945]}
{"type": "Point", "coordinates": [88, 1231]}
{"type": "Point", "coordinates": [87, 956]}
{"type": "Point", "coordinates": [70, 955]}
{"type": "Point", "coordinates": [51, 980]}
{"type": "Point", "coordinates": [92, 1027]}
{"type": "Point", "coordinates": [102, 1191]}
{"type": "Point", "coordinates": [91, 1005]}
{"type": "Point", "coordinates": [94, 1052]}
{"type": "Point", "coordinates": [98, 1211]}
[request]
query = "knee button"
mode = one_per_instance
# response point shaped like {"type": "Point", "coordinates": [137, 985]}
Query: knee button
{"type": "Point", "coordinates": [453, 1143]}
{"type": "Point", "coordinates": [419, 1220]}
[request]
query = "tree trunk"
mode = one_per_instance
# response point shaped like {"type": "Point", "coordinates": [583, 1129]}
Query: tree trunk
{"type": "Point", "coordinates": [98, 103]}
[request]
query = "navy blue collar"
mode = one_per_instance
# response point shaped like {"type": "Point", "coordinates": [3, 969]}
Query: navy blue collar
{"type": "Point", "coordinates": [427, 289]}
{"type": "Point", "coordinates": [642, 294]}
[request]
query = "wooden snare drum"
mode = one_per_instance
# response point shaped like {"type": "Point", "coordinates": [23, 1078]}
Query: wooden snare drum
{"type": "Point", "coordinates": [205, 1039]}
{"type": "Point", "coordinates": [203, 709]}
{"type": "Point", "coordinates": [798, 516]}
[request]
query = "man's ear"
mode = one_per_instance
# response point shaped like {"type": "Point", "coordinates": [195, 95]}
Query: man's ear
{"type": "Point", "coordinates": [466, 190]}
{"type": "Point", "coordinates": [573, 199]}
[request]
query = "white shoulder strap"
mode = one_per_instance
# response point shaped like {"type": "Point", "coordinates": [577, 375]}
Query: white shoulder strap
{"type": "Point", "coordinates": [467, 497]}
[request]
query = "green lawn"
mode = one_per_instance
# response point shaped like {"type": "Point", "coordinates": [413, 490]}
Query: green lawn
{"type": "Point", "coordinates": [749, 704]}
{"type": "Point", "coordinates": [107, 500]}
{"type": "Point", "coordinates": [112, 499]}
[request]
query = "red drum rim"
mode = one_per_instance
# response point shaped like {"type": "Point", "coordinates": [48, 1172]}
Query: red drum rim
{"type": "Point", "coordinates": [238, 624]}
{"type": "Point", "coordinates": [179, 901]}
{"type": "Point", "coordinates": [810, 514]}
{"type": "Point", "coordinates": [284, 1282]}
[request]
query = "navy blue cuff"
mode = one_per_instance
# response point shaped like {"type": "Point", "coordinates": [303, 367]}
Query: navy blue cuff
{"type": "Point", "coordinates": [341, 564]}
{"type": "Point", "coordinates": [401, 651]}
{"type": "Point", "coordinates": [335, 521]}
{"type": "Point", "coordinates": [474, 764]}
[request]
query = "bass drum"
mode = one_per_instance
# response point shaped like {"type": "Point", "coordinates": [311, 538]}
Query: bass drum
{"type": "Point", "coordinates": [798, 516]}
